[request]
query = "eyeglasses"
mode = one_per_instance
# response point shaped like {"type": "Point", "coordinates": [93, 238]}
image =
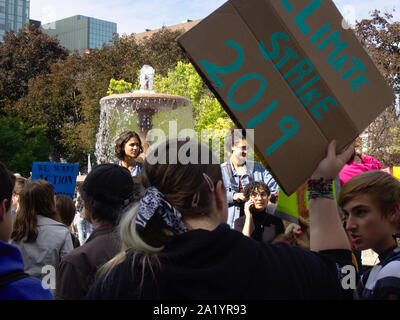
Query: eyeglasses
{"type": "Point", "coordinates": [261, 194]}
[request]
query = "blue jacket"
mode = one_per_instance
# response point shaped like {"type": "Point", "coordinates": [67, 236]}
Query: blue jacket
{"type": "Point", "coordinates": [24, 289]}
{"type": "Point", "coordinates": [136, 170]}
{"type": "Point", "coordinates": [254, 172]}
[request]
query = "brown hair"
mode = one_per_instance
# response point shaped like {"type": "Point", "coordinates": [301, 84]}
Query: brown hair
{"type": "Point", "coordinates": [179, 183]}
{"type": "Point", "coordinates": [65, 208]}
{"type": "Point", "coordinates": [383, 188]}
{"type": "Point", "coordinates": [36, 198]}
{"type": "Point", "coordinates": [20, 183]}
{"type": "Point", "coordinates": [122, 140]}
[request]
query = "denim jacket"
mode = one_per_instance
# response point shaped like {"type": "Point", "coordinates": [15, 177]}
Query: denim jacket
{"type": "Point", "coordinates": [137, 168]}
{"type": "Point", "coordinates": [254, 172]}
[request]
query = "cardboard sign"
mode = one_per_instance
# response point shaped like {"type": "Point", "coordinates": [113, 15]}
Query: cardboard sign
{"type": "Point", "coordinates": [288, 69]}
{"type": "Point", "coordinates": [61, 175]}
{"type": "Point", "coordinates": [396, 172]}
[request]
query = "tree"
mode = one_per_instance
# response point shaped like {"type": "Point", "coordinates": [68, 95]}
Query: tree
{"type": "Point", "coordinates": [380, 36]}
{"type": "Point", "coordinates": [23, 56]}
{"type": "Point", "coordinates": [185, 81]}
{"type": "Point", "coordinates": [119, 86]}
{"type": "Point", "coordinates": [161, 51]}
{"type": "Point", "coordinates": [54, 99]}
{"type": "Point", "coordinates": [21, 144]}
{"type": "Point", "coordinates": [41, 84]}
{"type": "Point", "coordinates": [211, 122]}
{"type": "Point", "coordinates": [122, 60]}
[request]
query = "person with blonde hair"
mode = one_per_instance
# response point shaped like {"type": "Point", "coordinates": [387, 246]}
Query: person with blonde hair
{"type": "Point", "coordinates": [176, 243]}
{"type": "Point", "coordinates": [42, 240]}
{"type": "Point", "coordinates": [371, 205]}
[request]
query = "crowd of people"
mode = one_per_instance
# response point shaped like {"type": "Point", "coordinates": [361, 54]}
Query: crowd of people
{"type": "Point", "coordinates": [150, 230]}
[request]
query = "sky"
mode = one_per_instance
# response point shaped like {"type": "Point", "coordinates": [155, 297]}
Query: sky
{"type": "Point", "coordinates": [135, 16]}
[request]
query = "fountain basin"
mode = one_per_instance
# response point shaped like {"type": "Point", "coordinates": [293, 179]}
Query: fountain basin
{"type": "Point", "coordinates": [140, 111]}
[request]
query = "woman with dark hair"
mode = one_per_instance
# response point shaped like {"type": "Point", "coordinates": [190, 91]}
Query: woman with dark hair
{"type": "Point", "coordinates": [176, 243]}
{"type": "Point", "coordinates": [43, 240]}
{"type": "Point", "coordinates": [128, 147]}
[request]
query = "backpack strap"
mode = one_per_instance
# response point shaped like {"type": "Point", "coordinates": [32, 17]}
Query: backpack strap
{"type": "Point", "coordinates": [6, 279]}
{"type": "Point", "coordinates": [395, 257]}
{"type": "Point", "coordinates": [369, 278]}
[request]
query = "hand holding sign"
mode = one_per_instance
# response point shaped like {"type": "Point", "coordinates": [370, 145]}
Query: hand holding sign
{"type": "Point", "coordinates": [331, 165]}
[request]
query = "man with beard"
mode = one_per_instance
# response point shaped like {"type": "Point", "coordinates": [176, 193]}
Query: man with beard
{"type": "Point", "coordinates": [237, 172]}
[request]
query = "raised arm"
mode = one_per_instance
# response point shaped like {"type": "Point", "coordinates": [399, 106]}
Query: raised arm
{"type": "Point", "coordinates": [326, 230]}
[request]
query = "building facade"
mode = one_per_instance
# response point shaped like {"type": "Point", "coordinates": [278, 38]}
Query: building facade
{"type": "Point", "coordinates": [184, 27]}
{"type": "Point", "coordinates": [14, 14]}
{"type": "Point", "coordinates": [81, 33]}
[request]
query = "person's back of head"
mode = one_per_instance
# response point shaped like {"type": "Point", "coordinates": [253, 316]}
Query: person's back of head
{"type": "Point", "coordinates": [184, 183]}
{"type": "Point", "coordinates": [18, 286]}
{"type": "Point", "coordinates": [180, 178]}
{"type": "Point", "coordinates": [7, 183]}
{"type": "Point", "coordinates": [107, 189]}
{"type": "Point", "coordinates": [65, 208]}
{"type": "Point", "coordinates": [382, 187]}
{"type": "Point", "coordinates": [36, 198]}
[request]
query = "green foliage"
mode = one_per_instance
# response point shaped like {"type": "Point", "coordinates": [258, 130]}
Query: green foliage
{"type": "Point", "coordinates": [119, 86]}
{"type": "Point", "coordinates": [211, 122]}
{"type": "Point", "coordinates": [24, 56]}
{"type": "Point", "coordinates": [42, 85]}
{"type": "Point", "coordinates": [54, 99]}
{"type": "Point", "coordinates": [185, 81]}
{"type": "Point", "coordinates": [380, 36]}
{"type": "Point", "coordinates": [22, 144]}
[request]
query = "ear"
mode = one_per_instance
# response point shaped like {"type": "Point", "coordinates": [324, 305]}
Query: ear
{"type": "Point", "coordinates": [219, 195]}
{"type": "Point", "coordinates": [3, 210]}
{"type": "Point", "coordinates": [394, 215]}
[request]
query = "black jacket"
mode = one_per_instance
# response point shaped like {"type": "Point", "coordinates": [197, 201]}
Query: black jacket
{"type": "Point", "coordinates": [224, 264]}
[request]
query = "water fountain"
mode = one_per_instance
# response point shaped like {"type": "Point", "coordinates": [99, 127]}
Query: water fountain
{"type": "Point", "coordinates": [141, 111]}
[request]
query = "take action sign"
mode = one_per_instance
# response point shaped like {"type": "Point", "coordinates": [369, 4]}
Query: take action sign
{"type": "Point", "coordinates": [288, 69]}
{"type": "Point", "coordinates": [61, 175]}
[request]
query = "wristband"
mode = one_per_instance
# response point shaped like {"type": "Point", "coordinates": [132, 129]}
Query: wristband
{"type": "Point", "coordinates": [319, 188]}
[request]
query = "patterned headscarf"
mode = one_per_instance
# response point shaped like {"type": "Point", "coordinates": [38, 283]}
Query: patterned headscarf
{"type": "Point", "coordinates": [154, 202]}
